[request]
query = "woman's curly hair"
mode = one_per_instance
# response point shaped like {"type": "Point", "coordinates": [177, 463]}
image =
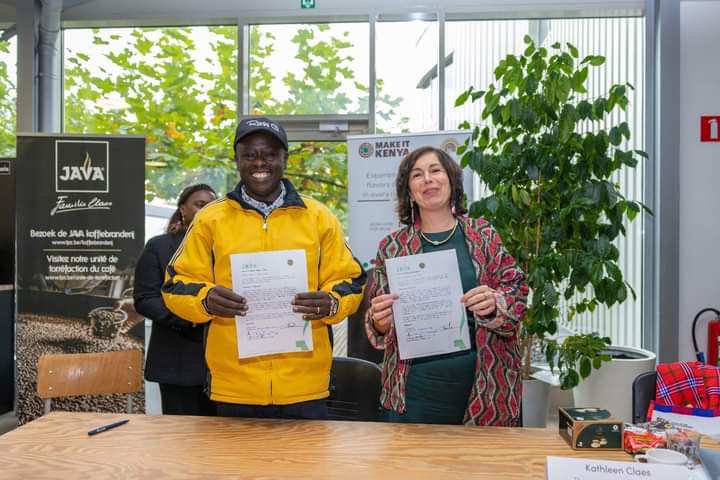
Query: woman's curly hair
{"type": "Point", "coordinates": [402, 183]}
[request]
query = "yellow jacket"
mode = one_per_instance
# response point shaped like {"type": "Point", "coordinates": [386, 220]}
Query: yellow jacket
{"type": "Point", "coordinates": [230, 225]}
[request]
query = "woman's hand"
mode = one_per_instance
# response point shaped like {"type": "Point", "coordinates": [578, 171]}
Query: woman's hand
{"type": "Point", "coordinates": [481, 301]}
{"type": "Point", "coordinates": [381, 312]}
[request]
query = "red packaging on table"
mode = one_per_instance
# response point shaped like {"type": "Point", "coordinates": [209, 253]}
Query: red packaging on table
{"type": "Point", "coordinates": [638, 440]}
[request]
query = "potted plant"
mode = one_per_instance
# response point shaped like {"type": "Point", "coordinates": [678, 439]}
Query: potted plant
{"type": "Point", "coordinates": [548, 163]}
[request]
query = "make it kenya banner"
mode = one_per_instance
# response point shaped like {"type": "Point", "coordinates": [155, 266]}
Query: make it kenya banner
{"type": "Point", "coordinates": [80, 230]}
{"type": "Point", "coordinates": [373, 161]}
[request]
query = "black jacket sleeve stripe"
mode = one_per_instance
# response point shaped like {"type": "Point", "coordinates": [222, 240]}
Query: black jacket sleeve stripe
{"type": "Point", "coordinates": [180, 288]}
{"type": "Point", "coordinates": [356, 284]}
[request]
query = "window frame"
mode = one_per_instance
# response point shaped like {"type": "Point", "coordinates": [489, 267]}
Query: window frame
{"type": "Point", "coordinates": [307, 127]}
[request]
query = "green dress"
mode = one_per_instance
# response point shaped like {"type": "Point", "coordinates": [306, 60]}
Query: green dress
{"type": "Point", "coordinates": [438, 387]}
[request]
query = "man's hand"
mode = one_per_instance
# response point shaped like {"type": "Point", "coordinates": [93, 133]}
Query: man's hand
{"type": "Point", "coordinates": [223, 302]}
{"type": "Point", "coordinates": [313, 305]}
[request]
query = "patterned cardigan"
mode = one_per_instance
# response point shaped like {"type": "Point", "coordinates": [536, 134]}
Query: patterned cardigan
{"type": "Point", "coordinates": [495, 395]}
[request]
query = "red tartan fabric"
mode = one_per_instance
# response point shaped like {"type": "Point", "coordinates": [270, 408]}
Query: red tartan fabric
{"type": "Point", "coordinates": [711, 375]}
{"type": "Point", "coordinates": [680, 383]}
{"type": "Point", "coordinates": [496, 393]}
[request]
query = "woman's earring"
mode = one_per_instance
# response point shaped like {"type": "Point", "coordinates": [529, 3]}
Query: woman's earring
{"type": "Point", "coordinates": [182, 220]}
{"type": "Point", "coordinates": [412, 211]}
{"type": "Point", "coordinates": [453, 210]}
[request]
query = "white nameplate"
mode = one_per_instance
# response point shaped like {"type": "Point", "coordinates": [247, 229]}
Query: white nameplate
{"type": "Point", "coordinates": [563, 468]}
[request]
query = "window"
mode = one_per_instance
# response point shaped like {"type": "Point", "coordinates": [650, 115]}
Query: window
{"type": "Point", "coordinates": [157, 216]}
{"type": "Point", "coordinates": [176, 86]}
{"type": "Point", "coordinates": [472, 51]}
{"type": "Point", "coordinates": [305, 69]}
{"type": "Point", "coordinates": [622, 42]}
{"type": "Point", "coordinates": [8, 95]}
{"type": "Point", "coordinates": [406, 65]}
{"type": "Point", "coordinates": [319, 169]}
{"type": "Point", "coordinates": [477, 46]}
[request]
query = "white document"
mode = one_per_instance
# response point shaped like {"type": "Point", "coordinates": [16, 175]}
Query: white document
{"type": "Point", "coordinates": [429, 318]}
{"type": "Point", "coordinates": [564, 468]}
{"type": "Point", "coordinates": [269, 281]}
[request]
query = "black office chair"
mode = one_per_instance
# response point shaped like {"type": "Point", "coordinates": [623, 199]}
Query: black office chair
{"type": "Point", "coordinates": [643, 392]}
{"type": "Point", "coordinates": [358, 345]}
{"type": "Point", "coordinates": [354, 390]}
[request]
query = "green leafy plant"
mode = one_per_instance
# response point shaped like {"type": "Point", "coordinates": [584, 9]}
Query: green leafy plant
{"type": "Point", "coordinates": [548, 165]}
{"type": "Point", "coordinates": [7, 106]}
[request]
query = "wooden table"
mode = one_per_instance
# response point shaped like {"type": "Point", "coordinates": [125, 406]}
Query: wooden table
{"type": "Point", "coordinates": [57, 446]}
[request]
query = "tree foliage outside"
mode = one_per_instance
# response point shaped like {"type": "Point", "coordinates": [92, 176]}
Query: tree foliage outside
{"type": "Point", "coordinates": [326, 85]}
{"type": "Point", "coordinates": [151, 83]}
{"type": "Point", "coordinates": [316, 168]}
{"type": "Point", "coordinates": [8, 95]}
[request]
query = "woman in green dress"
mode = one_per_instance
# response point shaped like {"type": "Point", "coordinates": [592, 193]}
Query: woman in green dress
{"type": "Point", "coordinates": [479, 386]}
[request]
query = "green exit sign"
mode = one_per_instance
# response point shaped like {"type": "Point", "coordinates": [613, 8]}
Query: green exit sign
{"type": "Point", "coordinates": [307, 3]}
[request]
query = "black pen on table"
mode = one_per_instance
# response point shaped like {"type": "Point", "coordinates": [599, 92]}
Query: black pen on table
{"type": "Point", "coordinates": [97, 430]}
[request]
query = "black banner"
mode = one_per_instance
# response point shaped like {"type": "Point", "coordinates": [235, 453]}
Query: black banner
{"type": "Point", "coordinates": [7, 221]}
{"type": "Point", "coordinates": [80, 230]}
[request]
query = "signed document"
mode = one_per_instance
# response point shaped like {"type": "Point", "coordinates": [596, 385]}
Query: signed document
{"type": "Point", "coordinates": [269, 281]}
{"type": "Point", "coordinates": [429, 318]}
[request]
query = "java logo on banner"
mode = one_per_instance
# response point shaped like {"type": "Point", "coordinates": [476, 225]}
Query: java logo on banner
{"type": "Point", "coordinates": [80, 230]}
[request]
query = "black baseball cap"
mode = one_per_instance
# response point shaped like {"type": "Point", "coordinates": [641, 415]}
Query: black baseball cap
{"type": "Point", "coordinates": [260, 124]}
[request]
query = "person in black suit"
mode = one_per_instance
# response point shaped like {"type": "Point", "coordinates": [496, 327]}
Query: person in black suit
{"type": "Point", "coordinates": [176, 354]}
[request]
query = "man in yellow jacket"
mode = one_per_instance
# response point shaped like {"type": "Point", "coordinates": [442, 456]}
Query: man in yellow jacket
{"type": "Point", "coordinates": [264, 213]}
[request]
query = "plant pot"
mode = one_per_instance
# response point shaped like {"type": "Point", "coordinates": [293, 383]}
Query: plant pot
{"type": "Point", "coordinates": [535, 403]}
{"type": "Point", "coordinates": [610, 387]}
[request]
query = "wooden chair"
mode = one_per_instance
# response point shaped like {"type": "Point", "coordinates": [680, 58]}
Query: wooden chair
{"type": "Point", "coordinates": [102, 373]}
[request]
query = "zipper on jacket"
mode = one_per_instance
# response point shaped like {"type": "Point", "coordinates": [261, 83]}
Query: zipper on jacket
{"type": "Point", "coordinates": [265, 221]}
{"type": "Point", "coordinates": [265, 231]}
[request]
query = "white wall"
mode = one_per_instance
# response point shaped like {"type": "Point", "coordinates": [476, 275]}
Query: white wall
{"type": "Point", "coordinates": [699, 169]}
